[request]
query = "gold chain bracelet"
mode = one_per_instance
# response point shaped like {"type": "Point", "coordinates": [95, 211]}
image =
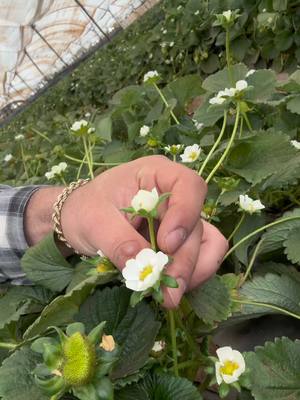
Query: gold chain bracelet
{"type": "Point", "coordinates": [57, 207]}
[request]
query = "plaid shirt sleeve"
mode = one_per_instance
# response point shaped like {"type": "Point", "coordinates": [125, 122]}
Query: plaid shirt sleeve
{"type": "Point", "coordinates": [12, 239]}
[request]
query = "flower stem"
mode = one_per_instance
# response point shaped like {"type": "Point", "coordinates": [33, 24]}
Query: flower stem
{"type": "Point", "coordinates": [215, 145]}
{"type": "Point", "coordinates": [63, 180]}
{"type": "Point", "coordinates": [228, 145]}
{"type": "Point", "coordinates": [248, 270]}
{"type": "Point", "coordinates": [87, 153]}
{"type": "Point", "coordinates": [228, 56]}
{"type": "Point", "coordinates": [250, 235]}
{"type": "Point", "coordinates": [151, 233]}
{"type": "Point", "coordinates": [41, 134]}
{"type": "Point", "coordinates": [95, 163]}
{"type": "Point", "coordinates": [9, 346]}
{"type": "Point", "coordinates": [271, 306]}
{"type": "Point", "coordinates": [247, 121]}
{"type": "Point", "coordinates": [166, 103]}
{"type": "Point", "coordinates": [174, 158]}
{"type": "Point", "coordinates": [23, 160]}
{"type": "Point", "coordinates": [173, 340]}
{"type": "Point", "coordinates": [237, 227]}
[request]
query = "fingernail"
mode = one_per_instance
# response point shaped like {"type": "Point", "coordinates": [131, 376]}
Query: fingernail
{"type": "Point", "coordinates": [176, 294]}
{"type": "Point", "coordinates": [175, 239]}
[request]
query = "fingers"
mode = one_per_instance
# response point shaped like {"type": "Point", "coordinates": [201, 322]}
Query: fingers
{"type": "Point", "coordinates": [213, 248]}
{"type": "Point", "coordinates": [183, 266]}
{"type": "Point", "coordinates": [188, 192]}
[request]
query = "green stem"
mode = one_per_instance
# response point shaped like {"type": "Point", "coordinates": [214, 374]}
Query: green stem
{"type": "Point", "coordinates": [9, 346]}
{"type": "Point", "coordinates": [251, 263]}
{"type": "Point", "coordinates": [173, 340]}
{"type": "Point", "coordinates": [90, 147]}
{"type": "Point", "coordinates": [247, 122]}
{"type": "Point", "coordinates": [228, 145]}
{"type": "Point", "coordinates": [87, 153]}
{"type": "Point", "coordinates": [23, 160]}
{"type": "Point", "coordinates": [41, 134]}
{"type": "Point", "coordinates": [237, 227]}
{"type": "Point", "coordinates": [250, 235]}
{"type": "Point", "coordinates": [63, 180]}
{"type": "Point", "coordinates": [174, 158]}
{"type": "Point", "coordinates": [271, 306]}
{"type": "Point", "coordinates": [95, 163]}
{"type": "Point", "coordinates": [151, 232]}
{"type": "Point", "coordinates": [166, 103]}
{"type": "Point", "coordinates": [215, 145]}
{"type": "Point", "coordinates": [80, 167]}
{"type": "Point", "coordinates": [228, 56]}
{"type": "Point", "coordinates": [215, 205]}
{"type": "Point", "coordinates": [241, 127]}
{"type": "Point", "coordinates": [187, 364]}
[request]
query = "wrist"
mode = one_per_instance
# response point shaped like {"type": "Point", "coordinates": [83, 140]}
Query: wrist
{"type": "Point", "coordinates": [38, 216]}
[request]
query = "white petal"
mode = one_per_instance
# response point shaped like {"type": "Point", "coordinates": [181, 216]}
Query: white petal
{"type": "Point", "coordinates": [229, 378]}
{"type": "Point", "coordinates": [133, 285]}
{"type": "Point", "coordinates": [161, 259]}
{"type": "Point", "coordinates": [239, 359]}
{"type": "Point", "coordinates": [225, 354]}
{"type": "Point", "coordinates": [131, 271]}
{"type": "Point", "coordinates": [218, 375]}
{"type": "Point", "coordinates": [241, 85]}
{"type": "Point", "coordinates": [145, 256]}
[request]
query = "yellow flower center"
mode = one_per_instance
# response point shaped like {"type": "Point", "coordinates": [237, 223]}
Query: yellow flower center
{"type": "Point", "coordinates": [229, 367]}
{"type": "Point", "coordinates": [193, 155]}
{"type": "Point", "coordinates": [145, 272]}
{"type": "Point", "coordinates": [102, 268]}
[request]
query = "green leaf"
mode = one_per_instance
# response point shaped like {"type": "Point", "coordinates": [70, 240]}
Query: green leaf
{"type": "Point", "coordinates": [16, 378]}
{"type": "Point", "coordinates": [62, 309]}
{"type": "Point", "coordinates": [274, 370]}
{"type": "Point", "coordinates": [211, 301]}
{"type": "Point", "coordinates": [208, 115]}
{"type": "Point", "coordinates": [257, 157]}
{"type": "Point", "coordinates": [184, 88]}
{"type": "Point", "coordinates": [159, 387]}
{"type": "Point", "coordinates": [169, 281]}
{"type": "Point", "coordinates": [263, 82]}
{"type": "Point", "coordinates": [134, 329]}
{"type": "Point", "coordinates": [272, 289]}
{"type": "Point", "coordinates": [274, 238]}
{"type": "Point", "coordinates": [291, 244]}
{"type": "Point", "coordinates": [117, 151]}
{"type": "Point", "coordinates": [20, 300]}
{"type": "Point", "coordinates": [220, 80]}
{"type": "Point", "coordinates": [103, 126]}
{"type": "Point", "coordinates": [293, 105]}
{"type": "Point", "coordinates": [43, 263]}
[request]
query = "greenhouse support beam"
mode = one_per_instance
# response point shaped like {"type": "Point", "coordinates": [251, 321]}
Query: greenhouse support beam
{"type": "Point", "coordinates": [34, 63]}
{"type": "Point", "coordinates": [92, 19]}
{"type": "Point", "coordinates": [25, 83]}
{"type": "Point", "coordinates": [48, 44]}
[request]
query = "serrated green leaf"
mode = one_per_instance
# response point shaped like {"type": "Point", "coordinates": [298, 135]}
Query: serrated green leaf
{"type": "Point", "coordinates": [263, 155]}
{"type": "Point", "coordinates": [103, 126]}
{"type": "Point", "coordinates": [274, 238]}
{"type": "Point", "coordinates": [134, 329]}
{"type": "Point", "coordinates": [184, 89]}
{"type": "Point", "coordinates": [274, 370]}
{"type": "Point", "coordinates": [292, 245]}
{"type": "Point", "coordinates": [263, 85]}
{"type": "Point", "coordinates": [211, 301]}
{"type": "Point", "coordinates": [19, 300]}
{"type": "Point", "coordinates": [160, 387]}
{"type": "Point", "coordinates": [43, 263]}
{"type": "Point", "coordinates": [208, 115]}
{"type": "Point", "coordinates": [220, 80]}
{"type": "Point", "coordinates": [293, 105]}
{"type": "Point", "coordinates": [282, 292]}
{"type": "Point", "coordinates": [62, 309]}
{"type": "Point", "coordinates": [16, 378]}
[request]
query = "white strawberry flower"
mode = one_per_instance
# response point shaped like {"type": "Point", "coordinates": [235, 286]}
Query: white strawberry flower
{"type": "Point", "coordinates": [8, 157]}
{"type": "Point", "coordinates": [77, 125]}
{"type": "Point", "coordinates": [191, 153]}
{"type": "Point", "coordinates": [198, 125]}
{"type": "Point", "coordinates": [241, 85]}
{"type": "Point", "coordinates": [150, 75]}
{"type": "Point", "coordinates": [296, 144]}
{"type": "Point", "coordinates": [144, 130]}
{"type": "Point", "coordinates": [144, 271]}
{"type": "Point", "coordinates": [145, 200]}
{"type": "Point", "coordinates": [159, 345]}
{"type": "Point", "coordinates": [173, 149]}
{"type": "Point", "coordinates": [91, 130]}
{"type": "Point", "coordinates": [56, 170]}
{"type": "Point", "coordinates": [249, 205]}
{"type": "Point", "coordinates": [227, 14]}
{"type": "Point", "coordinates": [19, 137]}
{"type": "Point", "coordinates": [250, 72]}
{"type": "Point", "coordinates": [231, 365]}
{"type": "Point", "coordinates": [216, 100]}
{"type": "Point", "coordinates": [227, 92]}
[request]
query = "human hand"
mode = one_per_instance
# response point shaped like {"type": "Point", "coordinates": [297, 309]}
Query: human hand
{"type": "Point", "coordinates": [92, 219]}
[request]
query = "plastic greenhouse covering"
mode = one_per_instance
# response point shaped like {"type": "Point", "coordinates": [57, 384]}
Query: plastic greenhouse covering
{"type": "Point", "coordinates": [39, 38]}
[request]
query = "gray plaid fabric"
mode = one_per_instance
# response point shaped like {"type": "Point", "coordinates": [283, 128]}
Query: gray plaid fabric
{"type": "Point", "coordinates": [12, 239]}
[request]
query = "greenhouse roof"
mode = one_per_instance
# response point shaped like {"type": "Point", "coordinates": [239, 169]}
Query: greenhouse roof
{"type": "Point", "coordinates": [40, 38]}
